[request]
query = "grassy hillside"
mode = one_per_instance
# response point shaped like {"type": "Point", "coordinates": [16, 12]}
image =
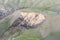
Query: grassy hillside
{"type": "Point", "coordinates": [49, 8]}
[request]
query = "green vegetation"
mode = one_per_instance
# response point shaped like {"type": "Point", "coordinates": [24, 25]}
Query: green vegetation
{"type": "Point", "coordinates": [30, 35]}
{"type": "Point", "coordinates": [50, 10]}
{"type": "Point", "coordinates": [54, 36]}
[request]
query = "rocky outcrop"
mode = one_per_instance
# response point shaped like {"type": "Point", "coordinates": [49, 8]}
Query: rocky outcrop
{"type": "Point", "coordinates": [22, 21]}
{"type": "Point", "coordinates": [28, 20]}
{"type": "Point", "coordinates": [5, 11]}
